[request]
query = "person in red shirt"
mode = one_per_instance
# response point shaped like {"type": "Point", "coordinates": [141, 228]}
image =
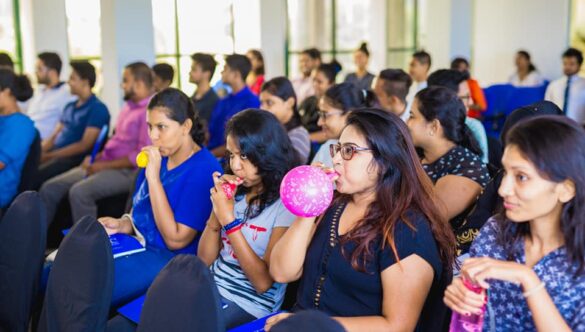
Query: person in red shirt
{"type": "Point", "coordinates": [479, 103]}
{"type": "Point", "coordinates": [255, 78]}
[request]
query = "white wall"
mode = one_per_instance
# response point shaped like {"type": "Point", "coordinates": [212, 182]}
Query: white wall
{"type": "Point", "coordinates": [49, 31]}
{"type": "Point", "coordinates": [435, 31]}
{"type": "Point", "coordinates": [273, 36]}
{"type": "Point", "coordinates": [127, 36]}
{"type": "Point", "coordinates": [501, 27]}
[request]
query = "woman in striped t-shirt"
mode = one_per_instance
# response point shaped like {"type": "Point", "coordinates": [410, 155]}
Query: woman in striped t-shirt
{"type": "Point", "coordinates": [241, 232]}
{"type": "Point", "coordinates": [278, 97]}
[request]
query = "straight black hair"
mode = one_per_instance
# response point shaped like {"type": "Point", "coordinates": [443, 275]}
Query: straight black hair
{"type": "Point", "coordinates": [526, 56]}
{"type": "Point", "coordinates": [85, 70]}
{"type": "Point", "coordinates": [282, 88]}
{"type": "Point", "coordinates": [330, 70]}
{"type": "Point", "coordinates": [443, 104]}
{"type": "Point", "coordinates": [206, 61]}
{"type": "Point", "coordinates": [178, 107]}
{"type": "Point", "coordinates": [19, 85]}
{"type": "Point", "coordinates": [556, 146]}
{"type": "Point", "coordinates": [164, 71]}
{"type": "Point", "coordinates": [346, 97]}
{"type": "Point", "coordinates": [239, 63]}
{"type": "Point", "coordinates": [265, 143]}
{"type": "Point", "coordinates": [51, 60]}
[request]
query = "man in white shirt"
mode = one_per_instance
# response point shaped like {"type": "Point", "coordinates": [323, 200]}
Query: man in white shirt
{"type": "Point", "coordinates": [419, 68]}
{"type": "Point", "coordinates": [390, 88]}
{"type": "Point", "coordinates": [47, 104]}
{"type": "Point", "coordinates": [568, 92]}
{"type": "Point", "coordinates": [309, 60]}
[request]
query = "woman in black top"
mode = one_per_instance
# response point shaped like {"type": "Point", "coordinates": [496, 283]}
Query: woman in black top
{"type": "Point", "coordinates": [450, 156]}
{"type": "Point", "coordinates": [381, 255]}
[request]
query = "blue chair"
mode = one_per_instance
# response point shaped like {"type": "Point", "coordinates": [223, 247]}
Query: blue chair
{"type": "Point", "coordinates": [81, 281]}
{"type": "Point", "coordinates": [503, 99]}
{"type": "Point", "coordinates": [183, 297]}
{"type": "Point", "coordinates": [23, 232]}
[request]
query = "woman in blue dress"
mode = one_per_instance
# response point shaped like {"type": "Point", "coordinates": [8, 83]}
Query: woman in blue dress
{"type": "Point", "coordinates": [531, 259]}
{"type": "Point", "coordinates": [171, 203]}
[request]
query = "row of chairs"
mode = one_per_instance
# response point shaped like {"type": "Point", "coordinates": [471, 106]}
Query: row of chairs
{"type": "Point", "coordinates": [503, 99]}
{"type": "Point", "coordinates": [81, 282]}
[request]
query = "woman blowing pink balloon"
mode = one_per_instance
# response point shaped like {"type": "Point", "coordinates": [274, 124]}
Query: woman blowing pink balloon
{"type": "Point", "coordinates": [380, 257]}
{"type": "Point", "coordinates": [242, 231]}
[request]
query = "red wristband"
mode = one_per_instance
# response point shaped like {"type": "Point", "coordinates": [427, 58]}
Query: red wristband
{"type": "Point", "coordinates": [237, 228]}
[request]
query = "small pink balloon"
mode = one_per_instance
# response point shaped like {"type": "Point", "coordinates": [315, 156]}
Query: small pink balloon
{"type": "Point", "coordinates": [228, 189]}
{"type": "Point", "coordinates": [306, 191]}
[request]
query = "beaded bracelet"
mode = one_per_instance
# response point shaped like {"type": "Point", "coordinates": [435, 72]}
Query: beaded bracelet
{"type": "Point", "coordinates": [233, 224]}
{"type": "Point", "coordinates": [534, 289]}
{"type": "Point", "coordinates": [233, 230]}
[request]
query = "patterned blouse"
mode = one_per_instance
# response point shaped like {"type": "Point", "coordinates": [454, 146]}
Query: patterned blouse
{"type": "Point", "coordinates": [460, 161]}
{"type": "Point", "coordinates": [507, 308]}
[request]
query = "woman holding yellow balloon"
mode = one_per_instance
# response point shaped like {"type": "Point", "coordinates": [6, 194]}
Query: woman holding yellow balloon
{"type": "Point", "coordinates": [171, 203]}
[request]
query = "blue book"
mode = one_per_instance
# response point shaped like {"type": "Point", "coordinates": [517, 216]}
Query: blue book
{"type": "Point", "coordinates": [122, 244]}
{"type": "Point", "coordinates": [254, 326]}
{"type": "Point", "coordinates": [132, 309]}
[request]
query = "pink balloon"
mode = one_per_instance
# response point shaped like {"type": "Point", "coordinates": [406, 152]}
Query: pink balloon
{"type": "Point", "coordinates": [306, 191]}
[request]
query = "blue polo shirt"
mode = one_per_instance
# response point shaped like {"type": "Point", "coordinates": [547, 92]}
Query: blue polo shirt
{"type": "Point", "coordinates": [17, 132]}
{"type": "Point", "coordinates": [187, 189]}
{"type": "Point", "coordinates": [92, 113]}
{"type": "Point", "coordinates": [224, 110]}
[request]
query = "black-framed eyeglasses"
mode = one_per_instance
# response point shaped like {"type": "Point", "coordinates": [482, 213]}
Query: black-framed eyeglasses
{"type": "Point", "coordinates": [346, 150]}
{"type": "Point", "coordinates": [465, 98]}
{"type": "Point", "coordinates": [325, 115]}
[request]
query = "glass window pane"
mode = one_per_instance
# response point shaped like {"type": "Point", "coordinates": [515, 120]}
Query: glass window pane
{"type": "Point", "coordinates": [399, 59]}
{"type": "Point", "coordinates": [83, 27]}
{"type": "Point", "coordinates": [7, 33]}
{"type": "Point", "coordinates": [209, 32]}
{"type": "Point", "coordinates": [163, 20]}
{"type": "Point", "coordinates": [347, 66]}
{"type": "Point", "coordinates": [173, 62]}
{"type": "Point", "coordinates": [401, 23]}
{"type": "Point", "coordinates": [246, 25]}
{"type": "Point", "coordinates": [354, 23]}
{"type": "Point", "coordinates": [99, 82]}
{"type": "Point", "coordinates": [310, 24]}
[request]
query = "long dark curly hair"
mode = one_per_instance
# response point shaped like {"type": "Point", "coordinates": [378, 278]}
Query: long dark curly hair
{"type": "Point", "coordinates": [265, 143]}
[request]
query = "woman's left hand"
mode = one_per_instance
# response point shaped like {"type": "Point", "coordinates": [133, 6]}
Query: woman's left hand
{"type": "Point", "coordinates": [270, 322]}
{"type": "Point", "coordinates": [222, 206]}
{"type": "Point", "coordinates": [479, 269]}
{"type": "Point", "coordinates": [152, 171]}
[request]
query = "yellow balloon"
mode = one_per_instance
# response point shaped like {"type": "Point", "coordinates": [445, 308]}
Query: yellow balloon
{"type": "Point", "coordinates": [142, 159]}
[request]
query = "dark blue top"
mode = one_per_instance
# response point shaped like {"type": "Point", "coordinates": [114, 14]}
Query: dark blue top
{"type": "Point", "coordinates": [507, 308]}
{"type": "Point", "coordinates": [330, 284]}
{"type": "Point", "coordinates": [224, 110]}
{"type": "Point", "coordinates": [17, 132]}
{"type": "Point", "coordinates": [187, 189]}
{"type": "Point", "coordinates": [206, 104]}
{"type": "Point", "coordinates": [92, 113]}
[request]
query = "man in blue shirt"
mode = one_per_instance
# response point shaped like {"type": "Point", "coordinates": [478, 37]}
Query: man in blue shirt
{"type": "Point", "coordinates": [79, 126]}
{"type": "Point", "coordinates": [234, 74]}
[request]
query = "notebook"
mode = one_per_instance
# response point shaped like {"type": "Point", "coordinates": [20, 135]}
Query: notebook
{"type": "Point", "coordinates": [122, 244]}
{"type": "Point", "coordinates": [132, 309]}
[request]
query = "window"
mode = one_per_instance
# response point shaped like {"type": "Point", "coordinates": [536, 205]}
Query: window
{"type": "Point", "coordinates": [217, 27]}
{"type": "Point", "coordinates": [10, 37]}
{"type": "Point", "coordinates": [577, 32]}
{"type": "Point", "coordinates": [84, 33]}
{"type": "Point", "coordinates": [337, 27]}
{"type": "Point", "coordinates": [402, 31]}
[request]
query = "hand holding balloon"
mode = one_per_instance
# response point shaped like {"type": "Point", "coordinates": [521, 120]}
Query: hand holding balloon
{"type": "Point", "coordinates": [142, 159]}
{"type": "Point", "coordinates": [307, 191]}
